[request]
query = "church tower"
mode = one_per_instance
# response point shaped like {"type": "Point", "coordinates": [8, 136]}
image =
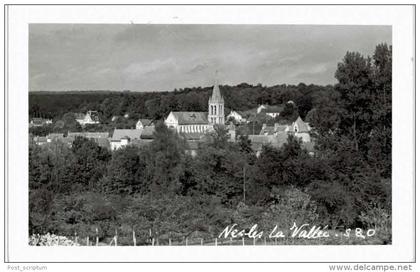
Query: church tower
{"type": "Point", "coordinates": [216, 106]}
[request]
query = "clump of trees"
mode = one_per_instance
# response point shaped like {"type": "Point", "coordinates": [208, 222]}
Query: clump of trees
{"type": "Point", "coordinates": [160, 188]}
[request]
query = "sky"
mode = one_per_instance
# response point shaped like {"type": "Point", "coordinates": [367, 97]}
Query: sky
{"type": "Point", "coordinates": [144, 57]}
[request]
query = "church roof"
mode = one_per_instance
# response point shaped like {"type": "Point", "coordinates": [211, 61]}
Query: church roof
{"type": "Point", "coordinates": [216, 96]}
{"type": "Point", "coordinates": [191, 117]}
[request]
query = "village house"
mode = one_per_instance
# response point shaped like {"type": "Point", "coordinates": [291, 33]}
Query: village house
{"type": "Point", "coordinates": [273, 130]}
{"type": "Point", "coordinates": [272, 111]}
{"type": "Point", "coordinates": [123, 137]}
{"type": "Point", "coordinates": [137, 137]}
{"type": "Point", "coordinates": [142, 123]}
{"type": "Point", "coordinates": [40, 140]}
{"type": "Point", "coordinates": [300, 129]}
{"type": "Point", "coordinates": [90, 118]}
{"type": "Point", "coordinates": [43, 140]}
{"type": "Point", "coordinates": [101, 138]}
{"type": "Point", "coordinates": [277, 135]}
{"type": "Point", "coordinates": [55, 137]}
{"type": "Point", "coordinates": [89, 135]}
{"type": "Point", "coordinates": [39, 122]}
{"type": "Point", "coordinates": [237, 116]}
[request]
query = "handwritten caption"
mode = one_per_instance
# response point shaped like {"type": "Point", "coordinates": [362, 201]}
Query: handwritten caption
{"type": "Point", "coordinates": [304, 231]}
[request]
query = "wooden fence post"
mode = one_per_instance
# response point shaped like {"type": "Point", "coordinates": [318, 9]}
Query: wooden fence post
{"type": "Point", "coordinates": [275, 240]}
{"type": "Point", "coordinates": [150, 235]}
{"type": "Point", "coordinates": [186, 241]}
{"type": "Point", "coordinates": [254, 241]}
{"type": "Point", "coordinates": [243, 241]}
{"type": "Point", "coordinates": [215, 241]}
{"type": "Point", "coordinates": [134, 238]}
{"type": "Point", "coordinates": [153, 241]}
{"type": "Point", "coordinates": [97, 237]}
{"type": "Point", "coordinates": [116, 237]}
{"type": "Point", "coordinates": [75, 237]}
{"type": "Point", "coordinates": [265, 241]}
{"type": "Point", "coordinates": [87, 241]}
{"type": "Point", "coordinates": [170, 242]}
{"type": "Point", "coordinates": [201, 241]}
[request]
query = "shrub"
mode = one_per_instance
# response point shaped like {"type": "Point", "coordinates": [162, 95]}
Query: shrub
{"type": "Point", "coordinates": [50, 240]}
{"type": "Point", "coordinates": [381, 220]}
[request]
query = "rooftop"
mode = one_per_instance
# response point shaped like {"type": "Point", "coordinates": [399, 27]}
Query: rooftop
{"type": "Point", "coordinates": [89, 134]}
{"type": "Point", "coordinates": [145, 122]}
{"type": "Point", "coordinates": [272, 109]}
{"type": "Point", "coordinates": [257, 141]}
{"type": "Point", "coordinates": [130, 133]}
{"type": "Point", "coordinates": [302, 126]}
{"type": "Point", "coordinates": [190, 118]}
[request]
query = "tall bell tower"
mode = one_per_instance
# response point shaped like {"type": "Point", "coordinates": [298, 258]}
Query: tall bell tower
{"type": "Point", "coordinates": [216, 106]}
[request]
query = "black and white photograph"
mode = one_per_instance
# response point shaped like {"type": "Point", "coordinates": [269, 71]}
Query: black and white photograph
{"type": "Point", "coordinates": [212, 135]}
{"type": "Point", "coordinates": [180, 135]}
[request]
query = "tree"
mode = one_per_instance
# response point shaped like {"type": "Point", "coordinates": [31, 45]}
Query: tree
{"type": "Point", "coordinates": [125, 173]}
{"type": "Point", "coordinates": [245, 144]}
{"type": "Point", "coordinates": [365, 86]}
{"type": "Point", "coordinates": [219, 171]}
{"type": "Point", "coordinates": [289, 112]}
{"type": "Point", "coordinates": [70, 123]}
{"type": "Point", "coordinates": [90, 163]}
{"type": "Point", "coordinates": [219, 137]}
{"type": "Point", "coordinates": [165, 161]}
{"type": "Point", "coordinates": [380, 142]}
{"type": "Point", "coordinates": [354, 76]}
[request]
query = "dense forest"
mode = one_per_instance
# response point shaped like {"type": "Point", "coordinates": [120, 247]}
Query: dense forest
{"type": "Point", "coordinates": [162, 190]}
{"type": "Point", "coordinates": [157, 105]}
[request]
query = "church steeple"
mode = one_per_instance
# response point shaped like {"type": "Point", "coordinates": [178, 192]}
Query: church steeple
{"type": "Point", "coordinates": [216, 96]}
{"type": "Point", "coordinates": [216, 105]}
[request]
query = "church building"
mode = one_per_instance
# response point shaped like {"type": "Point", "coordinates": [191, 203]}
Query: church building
{"type": "Point", "coordinates": [199, 122]}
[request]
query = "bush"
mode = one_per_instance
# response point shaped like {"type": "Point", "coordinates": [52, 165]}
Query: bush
{"type": "Point", "coordinates": [293, 206]}
{"type": "Point", "coordinates": [50, 240]}
{"type": "Point", "coordinates": [379, 219]}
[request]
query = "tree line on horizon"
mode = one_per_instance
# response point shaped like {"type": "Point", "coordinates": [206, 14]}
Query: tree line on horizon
{"type": "Point", "coordinates": [157, 105]}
